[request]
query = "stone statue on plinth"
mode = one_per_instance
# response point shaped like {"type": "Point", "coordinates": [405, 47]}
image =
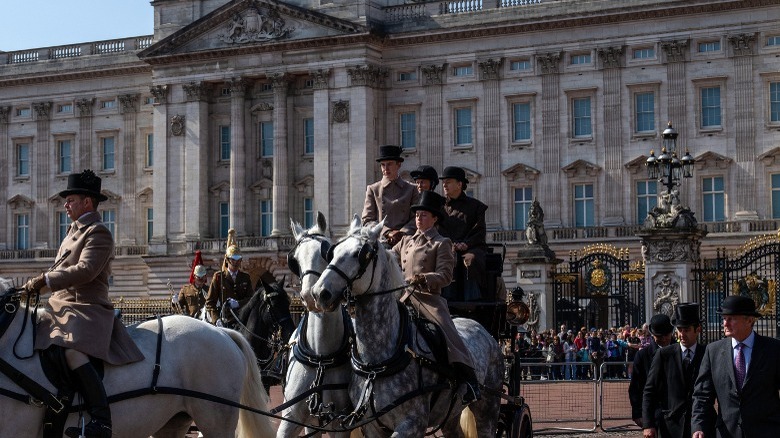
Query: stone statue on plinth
{"type": "Point", "coordinates": [669, 213]}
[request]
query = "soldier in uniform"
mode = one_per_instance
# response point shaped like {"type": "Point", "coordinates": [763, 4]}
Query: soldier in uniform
{"type": "Point", "coordinates": [425, 177]}
{"type": "Point", "coordinates": [427, 260]}
{"type": "Point", "coordinates": [82, 320]}
{"type": "Point", "coordinates": [230, 287]}
{"type": "Point", "coordinates": [192, 296]}
{"type": "Point", "coordinates": [391, 198]}
{"type": "Point", "coordinates": [465, 225]}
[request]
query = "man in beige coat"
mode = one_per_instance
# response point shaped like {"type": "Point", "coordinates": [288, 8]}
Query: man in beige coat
{"type": "Point", "coordinates": [82, 319]}
{"type": "Point", "coordinates": [391, 198]}
{"type": "Point", "coordinates": [427, 260]}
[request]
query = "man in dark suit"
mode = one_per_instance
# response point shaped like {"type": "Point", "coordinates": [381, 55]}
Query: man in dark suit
{"type": "Point", "coordinates": [661, 329]}
{"type": "Point", "coordinates": [666, 405]}
{"type": "Point", "coordinates": [742, 372]}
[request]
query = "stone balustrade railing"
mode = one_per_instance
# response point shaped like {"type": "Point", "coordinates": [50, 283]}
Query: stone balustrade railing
{"type": "Point", "coordinates": [419, 10]}
{"type": "Point", "coordinates": [76, 50]}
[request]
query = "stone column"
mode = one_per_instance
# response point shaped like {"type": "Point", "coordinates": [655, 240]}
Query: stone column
{"type": "Point", "coordinates": [549, 152]}
{"type": "Point", "coordinates": [83, 148]}
{"type": "Point", "coordinates": [42, 165]}
{"type": "Point", "coordinates": [491, 151]}
{"type": "Point", "coordinates": [534, 263]}
{"type": "Point", "coordinates": [745, 132]}
{"type": "Point", "coordinates": [196, 200]}
{"type": "Point", "coordinates": [281, 216]}
{"type": "Point", "coordinates": [611, 61]}
{"type": "Point", "coordinates": [238, 156]}
{"type": "Point", "coordinates": [5, 163]}
{"type": "Point", "coordinates": [432, 144]}
{"type": "Point", "coordinates": [670, 254]}
{"type": "Point", "coordinates": [322, 155]}
{"type": "Point", "coordinates": [127, 210]}
{"type": "Point", "coordinates": [158, 244]}
{"type": "Point", "coordinates": [675, 52]}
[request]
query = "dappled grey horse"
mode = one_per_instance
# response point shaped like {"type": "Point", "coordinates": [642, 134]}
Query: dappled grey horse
{"type": "Point", "coordinates": [321, 344]}
{"type": "Point", "coordinates": [384, 369]}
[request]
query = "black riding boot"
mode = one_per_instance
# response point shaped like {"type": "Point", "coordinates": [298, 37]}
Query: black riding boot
{"type": "Point", "coordinates": [97, 404]}
{"type": "Point", "coordinates": [469, 380]}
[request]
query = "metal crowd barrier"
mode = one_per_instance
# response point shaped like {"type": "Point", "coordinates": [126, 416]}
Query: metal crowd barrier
{"type": "Point", "coordinates": [576, 396]}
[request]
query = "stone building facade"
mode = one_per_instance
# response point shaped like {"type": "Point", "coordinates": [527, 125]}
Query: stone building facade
{"type": "Point", "coordinates": [246, 113]}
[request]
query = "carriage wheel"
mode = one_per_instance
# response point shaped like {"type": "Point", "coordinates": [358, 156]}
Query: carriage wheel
{"type": "Point", "coordinates": [514, 423]}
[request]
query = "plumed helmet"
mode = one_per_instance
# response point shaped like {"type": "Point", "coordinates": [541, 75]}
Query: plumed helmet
{"type": "Point", "coordinates": [200, 271]}
{"type": "Point", "coordinates": [233, 252]}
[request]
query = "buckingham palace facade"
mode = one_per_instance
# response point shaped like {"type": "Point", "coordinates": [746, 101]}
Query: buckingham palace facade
{"type": "Point", "coordinates": [245, 113]}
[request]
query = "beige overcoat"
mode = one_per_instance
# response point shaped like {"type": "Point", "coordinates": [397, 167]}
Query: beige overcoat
{"type": "Point", "coordinates": [431, 254]}
{"type": "Point", "coordinates": [391, 201]}
{"type": "Point", "coordinates": [81, 315]}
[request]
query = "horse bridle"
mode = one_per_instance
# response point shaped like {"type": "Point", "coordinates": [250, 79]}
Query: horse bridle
{"type": "Point", "coordinates": [293, 264]}
{"type": "Point", "coordinates": [366, 255]}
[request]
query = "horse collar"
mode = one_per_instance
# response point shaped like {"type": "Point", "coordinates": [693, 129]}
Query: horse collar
{"type": "Point", "coordinates": [303, 353]}
{"type": "Point", "coordinates": [401, 355]}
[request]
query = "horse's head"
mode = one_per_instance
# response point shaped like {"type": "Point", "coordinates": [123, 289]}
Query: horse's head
{"type": "Point", "coordinates": [268, 309]}
{"type": "Point", "coordinates": [307, 258]}
{"type": "Point", "coordinates": [352, 266]}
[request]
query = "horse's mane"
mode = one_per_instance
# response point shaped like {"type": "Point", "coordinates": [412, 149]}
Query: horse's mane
{"type": "Point", "coordinates": [5, 285]}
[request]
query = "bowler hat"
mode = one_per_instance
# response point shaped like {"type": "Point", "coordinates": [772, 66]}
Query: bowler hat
{"type": "Point", "coordinates": [84, 183]}
{"type": "Point", "coordinates": [454, 173]}
{"type": "Point", "coordinates": [686, 315]}
{"type": "Point", "coordinates": [425, 172]}
{"type": "Point", "coordinates": [390, 152]}
{"type": "Point", "coordinates": [660, 325]}
{"type": "Point", "coordinates": [431, 201]}
{"type": "Point", "coordinates": [739, 305]}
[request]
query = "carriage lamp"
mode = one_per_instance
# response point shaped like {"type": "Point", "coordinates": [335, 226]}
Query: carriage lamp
{"type": "Point", "coordinates": [668, 168]}
{"type": "Point", "coordinates": [517, 311]}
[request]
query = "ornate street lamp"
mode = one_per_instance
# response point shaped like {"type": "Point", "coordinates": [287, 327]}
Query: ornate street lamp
{"type": "Point", "coordinates": [669, 170]}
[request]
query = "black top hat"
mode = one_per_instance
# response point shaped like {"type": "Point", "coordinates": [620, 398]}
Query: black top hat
{"type": "Point", "coordinates": [660, 325]}
{"type": "Point", "coordinates": [425, 172]}
{"type": "Point", "coordinates": [739, 305]}
{"type": "Point", "coordinates": [84, 183]}
{"type": "Point", "coordinates": [431, 201]}
{"type": "Point", "coordinates": [455, 173]}
{"type": "Point", "coordinates": [686, 315]}
{"type": "Point", "coordinates": [390, 152]}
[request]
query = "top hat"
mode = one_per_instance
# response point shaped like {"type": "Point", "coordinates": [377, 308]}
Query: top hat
{"type": "Point", "coordinates": [686, 315]}
{"type": "Point", "coordinates": [660, 325]}
{"type": "Point", "coordinates": [390, 152]}
{"type": "Point", "coordinates": [233, 252]}
{"type": "Point", "coordinates": [431, 201]}
{"type": "Point", "coordinates": [84, 183]}
{"type": "Point", "coordinates": [739, 305]}
{"type": "Point", "coordinates": [455, 173]}
{"type": "Point", "coordinates": [425, 172]}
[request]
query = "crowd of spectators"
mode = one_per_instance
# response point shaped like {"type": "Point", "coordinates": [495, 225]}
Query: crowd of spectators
{"type": "Point", "coordinates": [576, 354]}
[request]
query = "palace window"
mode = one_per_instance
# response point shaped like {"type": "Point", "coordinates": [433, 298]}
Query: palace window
{"type": "Point", "coordinates": [520, 65]}
{"type": "Point", "coordinates": [581, 117]}
{"type": "Point", "coordinates": [63, 222]}
{"type": "Point", "coordinates": [308, 213]}
{"type": "Point", "coordinates": [644, 53]}
{"type": "Point", "coordinates": [583, 205]}
{"type": "Point", "coordinates": [65, 156]}
{"type": "Point", "coordinates": [775, 178]}
{"type": "Point", "coordinates": [773, 40]}
{"type": "Point", "coordinates": [646, 199]}
{"type": "Point", "coordinates": [408, 129]}
{"type": "Point", "coordinates": [109, 220]}
{"type": "Point", "coordinates": [22, 231]}
{"type": "Point", "coordinates": [710, 107]}
{"type": "Point", "coordinates": [522, 203]}
{"type": "Point", "coordinates": [266, 139]}
{"type": "Point", "coordinates": [107, 104]}
{"type": "Point", "coordinates": [224, 219]}
{"type": "Point", "coordinates": [308, 136]}
{"type": "Point", "coordinates": [463, 126]}
{"type": "Point", "coordinates": [108, 150]}
{"type": "Point", "coordinates": [266, 217]}
{"type": "Point", "coordinates": [23, 159]}
{"type": "Point", "coordinates": [713, 199]}
{"type": "Point", "coordinates": [149, 224]}
{"type": "Point", "coordinates": [404, 76]}
{"type": "Point", "coordinates": [774, 101]}
{"type": "Point", "coordinates": [149, 150]}
{"type": "Point", "coordinates": [65, 108]}
{"type": "Point", "coordinates": [580, 59]}
{"type": "Point", "coordinates": [645, 111]}
{"type": "Point", "coordinates": [224, 143]}
{"type": "Point", "coordinates": [23, 112]}
{"type": "Point", "coordinates": [463, 70]}
{"type": "Point", "coordinates": [709, 46]}
{"type": "Point", "coordinates": [521, 122]}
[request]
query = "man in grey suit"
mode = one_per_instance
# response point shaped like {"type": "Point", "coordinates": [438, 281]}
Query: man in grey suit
{"type": "Point", "coordinates": [666, 404]}
{"type": "Point", "coordinates": [742, 372]}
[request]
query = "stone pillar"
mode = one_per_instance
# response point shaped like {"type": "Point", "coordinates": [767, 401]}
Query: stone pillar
{"type": "Point", "coordinates": [83, 148]}
{"type": "Point", "coordinates": [322, 156]}
{"type": "Point", "coordinates": [238, 156]}
{"type": "Point", "coordinates": [611, 61]}
{"type": "Point", "coordinates": [745, 133]}
{"type": "Point", "coordinates": [432, 144]}
{"type": "Point", "coordinates": [491, 151]}
{"type": "Point", "coordinates": [196, 200]}
{"type": "Point", "coordinates": [670, 254]}
{"type": "Point", "coordinates": [534, 263]}
{"type": "Point", "coordinates": [42, 165]}
{"type": "Point", "coordinates": [158, 244]}
{"type": "Point", "coordinates": [281, 216]}
{"type": "Point", "coordinates": [549, 152]}
{"type": "Point", "coordinates": [127, 208]}
{"type": "Point", "coordinates": [5, 163]}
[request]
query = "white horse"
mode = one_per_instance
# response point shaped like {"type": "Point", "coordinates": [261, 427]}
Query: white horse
{"type": "Point", "coordinates": [320, 345]}
{"type": "Point", "coordinates": [195, 356]}
{"type": "Point", "coordinates": [359, 263]}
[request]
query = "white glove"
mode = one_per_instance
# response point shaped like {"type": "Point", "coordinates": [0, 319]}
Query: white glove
{"type": "Point", "coordinates": [175, 298]}
{"type": "Point", "coordinates": [232, 303]}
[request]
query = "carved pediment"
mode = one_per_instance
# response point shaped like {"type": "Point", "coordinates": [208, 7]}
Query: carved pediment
{"type": "Point", "coordinates": [112, 197]}
{"type": "Point", "coordinates": [145, 195]}
{"type": "Point", "coordinates": [20, 202]}
{"type": "Point", "coordinates": [220, 187]}
{"type": "Point", "coordinates": [712, 160]}
{"type": "Point", "coordinates": [303, 183]}
{"type": "Point", "coordinates": [261, 184]}
{"type": "Point", "coordinates": [581, 168]}
{"type": "Point", "coordinates": [771, 157]}
{"type": "Point", "coordinates": [521, 172]}
{"type": "Point", "coordinates": [638, 164]}
{"type": "Point", "coordinates": [471, 176]}
{"type": "Point", "coordinates": [252, 23]}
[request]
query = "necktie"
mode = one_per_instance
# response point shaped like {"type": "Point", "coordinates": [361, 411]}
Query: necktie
{"type": "Point", "coordinates": [739, 365]}
{"type": "Point", "coordinates": [687, 360]}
